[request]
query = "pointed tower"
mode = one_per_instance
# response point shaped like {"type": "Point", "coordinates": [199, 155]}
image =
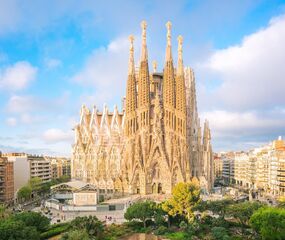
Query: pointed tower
{"type": "Point", "coordinates": [168, 84]}
{"type": "Point", "coordinates": [143, 83]}
{"type": "Point", "coordinates": [131, 98]}
{"type": "Point", "coordinates": [180, 93]}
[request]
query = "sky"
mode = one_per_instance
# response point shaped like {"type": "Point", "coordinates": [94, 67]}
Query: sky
{"type": "Point", "coordinates": [57, 55]}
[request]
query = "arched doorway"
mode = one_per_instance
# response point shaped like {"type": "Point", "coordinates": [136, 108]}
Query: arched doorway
{"type": "Point", "coordinates": [153, 189]}
{"type": "Point", "coordinates": [159, 188]}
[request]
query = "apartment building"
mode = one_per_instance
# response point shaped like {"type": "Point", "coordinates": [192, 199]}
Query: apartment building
{"type": "Point", "coordinates": [60, 166]}
{"type": "Point", "coordinates": [261, 168]}
{"type": "Point", "coordinates": [6, 180]}
{"type": "Point", "coordinates": [40, 167]}
{"type": "Point", "coordinates": [27, 166]}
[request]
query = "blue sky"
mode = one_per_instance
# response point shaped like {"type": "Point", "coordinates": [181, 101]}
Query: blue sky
{"type": "Point", "coordinates": [56, 55]}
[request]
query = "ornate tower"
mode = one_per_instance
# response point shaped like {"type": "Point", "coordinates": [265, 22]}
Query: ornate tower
{"type": "Point", "coordinates": [180, 93]}
{"type": "Point", "coordinates": [169, 85]}
{"type": "Point", "coordinates": [143, 84]}
{"type": "Point", "coordinates": [131, 96]}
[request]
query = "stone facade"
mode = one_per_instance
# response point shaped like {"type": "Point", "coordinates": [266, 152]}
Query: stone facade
{"type": "Point", "coordinates": [156, 141]}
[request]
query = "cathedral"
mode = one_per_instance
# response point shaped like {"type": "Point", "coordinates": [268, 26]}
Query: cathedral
{"type": "Point", "coordinates": [155, 141]}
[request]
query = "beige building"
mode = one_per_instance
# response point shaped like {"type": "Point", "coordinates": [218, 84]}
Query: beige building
{"type": "Point", "coordinates": [60, 166]}
{"type": "Point", "coordinates": [27, 166]}
{"type": "Point", "coordinates": [262, 168]}
{"type": "Point", "coordinates": [155, 141]}
{"type": "Point", "coordinates": [40, 167]}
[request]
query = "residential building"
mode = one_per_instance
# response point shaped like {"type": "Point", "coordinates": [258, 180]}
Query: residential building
{"type": "Point", "coordinates": [60, 166]}
{"type": "Point", "coordinates": [6, 180]}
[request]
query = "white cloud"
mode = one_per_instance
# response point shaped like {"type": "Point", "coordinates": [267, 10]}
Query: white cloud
{"type": "Point", "coordinates": [106, 70]}
{"type": "Point", "coordinates": [55, 135]}
{"type": "Point", "coordinates": [21, 104]}
{"type": "Point", "coordinates": [17, 76]}
{"type": "Point", "coordinates": [52, 63]}
{"type": "Point", "coordinates": [252, 72]}
{"type": "Point", "coordinates": [11, 121]}
{"type": "Point", "coordinates": [243, 123]}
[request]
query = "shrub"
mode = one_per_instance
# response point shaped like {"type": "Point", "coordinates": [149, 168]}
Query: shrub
{"type": "Point", "coordinates": [220, 233]}
{"type": "Point", "coordinates": [183, 225]}
{"type": "Point", "coordinates": [269, 223]}
{"type": "Point", "coordinates": [33, 219]}
{"type": "Point", "coordinates": [54, 231]}
{"type": "Point", "coordinates": [161, 230]}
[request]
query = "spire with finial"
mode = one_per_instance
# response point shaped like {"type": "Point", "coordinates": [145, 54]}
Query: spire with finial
{"type": "Point", "coordinates": [180, 70]}
{"type": "Point", "coordinates": [168, 56]}
{"type": "Point", "coordinates": [169, 81]}
{"type": "Point", "coordinates": [131, 58]}
{"type": "Point", "coordinates": [154, 66]}
{"type": "Point", "coordinates": [131, 101]}
{"type": "Point", "coordinates": [144, 47]}
{"type": "Point", "coordinates": [180, 90]}
{"type": "Point", "coordinates": [143, 78]}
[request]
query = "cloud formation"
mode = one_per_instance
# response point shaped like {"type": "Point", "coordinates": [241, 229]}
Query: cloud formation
{"type": "Point", "coordinates": [252, 72]}
{"type": "Point", "coordinates": [106, 71]}
{"type": "Point", "coordinates": [17, 76]}
{"type": "Point", "coordinates": [247, 101]}
{"type": "Point", "coordinates": [54, 135]}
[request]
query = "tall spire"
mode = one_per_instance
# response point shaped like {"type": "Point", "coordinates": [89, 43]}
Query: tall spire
{"type": "Point", "coordinates": [143, 78]}
{"type": "Point", "coordinates": [144, 47]}
{"type": "Point", "coordinates": [168, 56]}
{"type": "Point", "coordinates": [168, 79]}
{"type": "Point", "coordinates": [131, 99]}
{"type": "Point", "coordinates": [131, 58]}
{"type": "Point", "coordinates": [180, 68]}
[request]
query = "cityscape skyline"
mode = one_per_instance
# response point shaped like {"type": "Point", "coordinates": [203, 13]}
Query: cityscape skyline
{"type": "Point", "coordinates": [58, 62]}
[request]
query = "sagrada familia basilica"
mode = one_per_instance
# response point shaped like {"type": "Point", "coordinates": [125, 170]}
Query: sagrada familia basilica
{"type": "Point", "coordinates": [156, 140]}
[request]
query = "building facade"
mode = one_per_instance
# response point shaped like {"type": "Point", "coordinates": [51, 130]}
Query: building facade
{"type": "Point", "coordinates": [60, 166]}
{"type": "Point", "coordinates": [6, 181]}
{"type": "Point", "coordinates": [261, 169]}
{"type": "Point", "coordinates": [155, 141]}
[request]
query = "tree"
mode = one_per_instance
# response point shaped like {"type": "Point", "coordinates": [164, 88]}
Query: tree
{"type": "Point", "coordinates": [24, 193]}
{"type": "Point", "coordinates": [242, 211]}
{"type": "Point", "coordinates": [217, 207]}
{"type": "Point", "coordinates": [140, 210]}
{"type": "Point", "coordinates": [269, 223]}
{"type": "Point", "coordinates": [33, 219]}
{"type": "Point", "coordinates": [220, 233]}
{"type": "Point", "coordinates": [91, 224]}
{"type": "Point", "coordinates": [17, 230]}
{"type": "Point", "coordinates": [185, 196]}
{"type": "Point", "coordinates": [35, 183]}
{"type": "Point", "coordinates": [76, 235]}
{"type": "Point", "coordinates": [63, 178]}
{"type": "Point", "coordinates": [4, 212]}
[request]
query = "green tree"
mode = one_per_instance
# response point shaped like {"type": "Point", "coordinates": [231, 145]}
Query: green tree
{"type": "Point", "coordinates": [185, 196]}
{"type": "Point", "coordinates": [220, 233]}
{"type": "Point", "coordinates": [4, 212]}
{"type": "Point", "coordinates": [63, 178]}
{"type": "Point", "coordinates": [269, 223]}
{"type": "Point", "coordinates": [33, 219]}
{"type": "Point", "coordinates": [217, 207]}
{"type": "Point", "coordinates": [76, 235]}
{"type": "Point", "coordinates": [242, 211]}
{"type": "Point", "coordinates": [140, 210]}
{"type": "Point", "coordinates": [17, 230]}
{"type": "Point", "coordinates": [24, 193]}
{"type": "Point", "coordinates": [35, 183]}
{"type": "Point", "coordinates": [91, 224]}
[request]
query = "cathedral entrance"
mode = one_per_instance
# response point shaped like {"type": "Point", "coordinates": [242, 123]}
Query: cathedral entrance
{"type": "Point", "coordinates": [159, 188]}
{"type": "Point", "coordinates": [153, 189]}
